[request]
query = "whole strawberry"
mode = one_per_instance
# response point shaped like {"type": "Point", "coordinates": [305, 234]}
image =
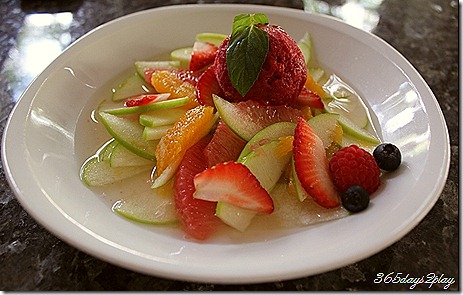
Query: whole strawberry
{"type": "Point", "coordinates": [353, 165]}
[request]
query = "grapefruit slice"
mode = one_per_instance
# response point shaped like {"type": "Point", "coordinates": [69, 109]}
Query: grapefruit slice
{"type": "Point", "coordinates": [196, 216]}
{"type": "Point", "coordinates": [224, 146]}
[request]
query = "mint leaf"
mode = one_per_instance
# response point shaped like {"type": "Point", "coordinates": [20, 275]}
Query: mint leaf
{"type": "Point", "coordinates": [246, 51]}
{"type": "Point", "coordinates": [240, 22]}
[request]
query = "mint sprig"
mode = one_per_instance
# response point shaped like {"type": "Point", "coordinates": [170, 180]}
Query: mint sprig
{"type": "Point", "coordinates": [246, 51]}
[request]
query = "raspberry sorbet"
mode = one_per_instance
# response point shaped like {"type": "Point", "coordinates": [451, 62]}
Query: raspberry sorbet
{"type": "Point", "coordinates": [281, 78]}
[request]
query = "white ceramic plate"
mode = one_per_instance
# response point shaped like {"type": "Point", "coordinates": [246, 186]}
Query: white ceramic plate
{"type": "Point", "coordinates": [44, 147]}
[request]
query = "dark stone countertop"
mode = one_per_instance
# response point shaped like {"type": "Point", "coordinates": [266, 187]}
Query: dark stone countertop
{"type": "Point", "coordinates": [424, 31]}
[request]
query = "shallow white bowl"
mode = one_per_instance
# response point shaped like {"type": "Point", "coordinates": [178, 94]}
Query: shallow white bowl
{"type": "Point", "coordinates": [44, 147]}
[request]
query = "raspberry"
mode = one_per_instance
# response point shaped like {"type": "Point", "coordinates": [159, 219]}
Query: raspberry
{"type": "Point", "coordinates": [352, 165]}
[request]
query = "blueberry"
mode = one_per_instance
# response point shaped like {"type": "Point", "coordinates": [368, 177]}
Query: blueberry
{"type": "Point", "coordinates": [387, 156]}
{"type": "Point", "coordinates": [355, 199]}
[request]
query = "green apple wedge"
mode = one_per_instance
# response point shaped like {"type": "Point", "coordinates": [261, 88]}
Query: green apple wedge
{"type": "Point", "coordinates": [305, 45]}
{"type": "Point", "coordinates": [157, 118]}
{"type": "Point", "coordinates": [213, 38]}
{"type": "Point", "coordinates": [354, 131]}
{"type": "Point", "coordinates": [97, 170]}
{"type": "Point", "coordinates": [183, 56]}
{"type": "Point", "coordinates": [132, 86]}
{"type": "Point", "coordinates": [128, 132]}
{"type": "Point", "coordinates": [266, 135]}
{"type": "Point", "coordinates": [161, 105]}
{"type": "Point", "coordinates": [123, 157]}
{"type": "Point", "coordinates": [150, 206]}
{"type": "Point", "coordinates": [143, 65]}
{"type": "Point", "coordinates": [155, 133]}
{"type": "Point", "coordinates": [247, 122]}
{"type": "Point", "coordinates": [267, 164]}
{"type": "Point", "coordinates": [300, 191]}
{"type": "Point", "coordinates": [326, 126]}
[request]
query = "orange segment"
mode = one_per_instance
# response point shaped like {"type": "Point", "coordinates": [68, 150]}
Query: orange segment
{"type": "Point", "coordinates": [285, 146]}
{"type": "Point", "coordinates": [313, 86]}
{"type": "Point", "coordinates": [189, 129]}
{"type": "Point", "coordinates": [169, 82]}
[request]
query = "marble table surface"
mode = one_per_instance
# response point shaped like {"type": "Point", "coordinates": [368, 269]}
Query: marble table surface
{"type": "Point", "coordinates": [424, 31]}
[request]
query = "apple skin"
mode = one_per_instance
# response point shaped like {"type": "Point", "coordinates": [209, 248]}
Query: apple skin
{"type": "Point", "coordinates": [158, 118]}
{"type": "Point", "coordinates": [129, 133]}
{"type": "Point", "coordinates": [142, 66]}
{"type": "Point", "coordinates": [150, 206]}
{"type": "Point", "coordinates": [132, 86]}
{"type": "Point", "coordinates": [269, 133]}
{"type": "Point", "coordinates": [267, 165]}
{"type": "Point", "coordinates": [161, 105]}
{"type": "Point", "coordinates": [356, 132]}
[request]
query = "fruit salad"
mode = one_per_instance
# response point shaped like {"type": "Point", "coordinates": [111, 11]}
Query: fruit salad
{"type": "Point", "coordinates": [237, 130]}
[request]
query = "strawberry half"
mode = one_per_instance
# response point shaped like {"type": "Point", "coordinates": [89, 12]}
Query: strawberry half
{"type": "Point", "coordinates": [308, 98]}
{"type": "Point", "coordinates": [312, 166]}
{"type": "Point", "coordinates": [202, 56]}
{"type": "Point", "coordinates": [145, 99]}
{"type": "Point", "coordinates": [206, 86]}
{"type": "Point", "coordinates": [233, 183]}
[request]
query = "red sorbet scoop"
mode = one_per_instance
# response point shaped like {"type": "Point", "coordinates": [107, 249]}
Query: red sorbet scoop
{"type": "Point", "coordinates": [281, 78]}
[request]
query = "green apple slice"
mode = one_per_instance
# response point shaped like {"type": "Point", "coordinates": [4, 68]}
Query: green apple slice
{"type": "Point", "coordinates": [326, 126]}
{"type": "Point", "coordinates": [236, 217]}
{"type": "Point", "coordinates": [267, 165]}
{"type": "Point", "coordinates": [247, 122]}
{"type": "Point", "coordinates": [213, 38]}
{"type": "Point", "coordinates": [305, 45]}
{"type": "Point", "coordinates": [132, 86]}
{"type": "Point", "coordinates": [157, 118]}
{"type": "Point", "coordinates": [300, 191]}
{"type": "Point", "coordinates": [161, 105]}
{"type": "Point", "coordinates": [128, 132]}
{"type": "Point", "coordinates": [141, 66]}
{"type": "Point", "coordinates": [348, 139]}
{"type": "Point", "coordinates": [123, 157]}
{"type": "Point", "coordinates": [356, 132]}
{"type": "Point", "coordinates": [182, 55]}
{"type": "Point", "coordinates": [96, 172]}
{"type": "Point", "coordinates": [268, 134]}
{"type": "Point", "coordinates": [152, 206]}
{"type": "Point", "coordinates": [104, 153]}
{"type": "Point", "coordinates": [155, 133]}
